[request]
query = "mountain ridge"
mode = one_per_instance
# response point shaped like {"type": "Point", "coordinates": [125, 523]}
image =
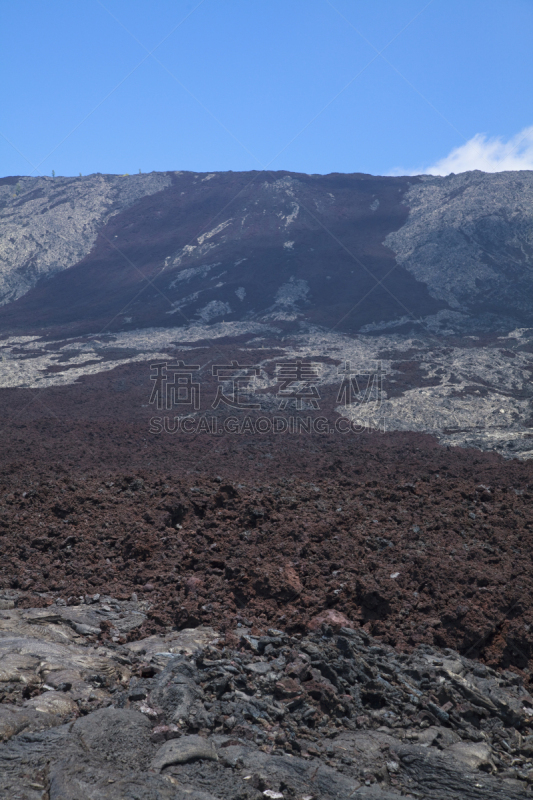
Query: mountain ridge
{"type": "Point", "coordinates": [372, 250]}
{"type": "Point", "coordinates": [430, 277]}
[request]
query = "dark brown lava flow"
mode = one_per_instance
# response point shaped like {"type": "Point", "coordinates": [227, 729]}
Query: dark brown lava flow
{"type": "Point", "coordinates": [415, 542]}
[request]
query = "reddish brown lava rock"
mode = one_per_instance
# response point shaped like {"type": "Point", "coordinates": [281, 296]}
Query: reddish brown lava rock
{"type": "Point", "coordinates": [329, 617]}
{"type": "Point", "coordinates": [415, 542]}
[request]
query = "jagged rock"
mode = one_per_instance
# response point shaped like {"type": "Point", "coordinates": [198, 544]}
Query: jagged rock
{"type": "Point", "coordinates": [180, 751]}
{"type": "Point", "coordinates": [326, 715]}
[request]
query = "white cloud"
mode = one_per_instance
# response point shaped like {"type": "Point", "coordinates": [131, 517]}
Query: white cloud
{"type": "Point", "coordinates": [488, 155]}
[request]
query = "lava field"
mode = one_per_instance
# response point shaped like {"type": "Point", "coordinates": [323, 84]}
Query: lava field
{"type": "Point", "coordinates": [415, 542]}
{"type": "Point", "coordinates": [221, 617]}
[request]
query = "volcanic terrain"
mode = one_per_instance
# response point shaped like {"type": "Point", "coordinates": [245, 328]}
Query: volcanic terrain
{"type": "Point", "coordinates": [313, 587]}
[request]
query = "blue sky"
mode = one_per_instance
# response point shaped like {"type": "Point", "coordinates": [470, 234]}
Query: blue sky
{"type": "Point", "coordinates": [317, 86]}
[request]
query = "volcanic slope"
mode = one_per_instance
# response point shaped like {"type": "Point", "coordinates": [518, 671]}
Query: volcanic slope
{"type": "Point", "coordinates": [337, 250]}
{"type": "Point", "coordinates": [269, 252]}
